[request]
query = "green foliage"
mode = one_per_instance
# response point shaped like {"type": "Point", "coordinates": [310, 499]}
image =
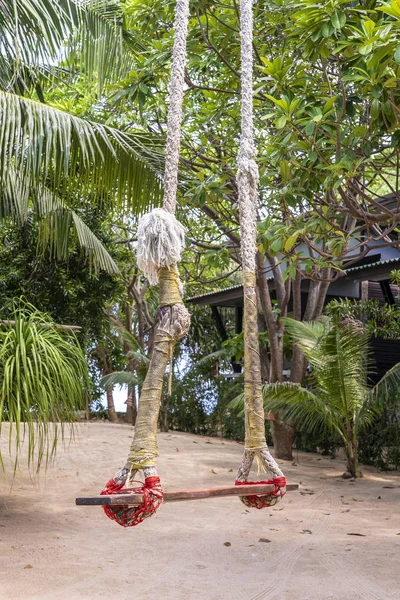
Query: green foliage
{"type": "Point", "coordinates": [119, 378]}
{"type": "Point", "coordinates": [336, 105]}
{"type": "Point", "coordinates": [379, 445]}
{"type": "Point", "coordinates": [325, 443]}
{"type": "Point", "coordinates": [50, 158]}
{"type": "Point", "coordinates": [45, 152]}
{"type": "Point", "coordinates": [234, 346]}
{"type": "Point", "coordinates": [43, 381]}
{"type": "Point", "coordinates": [86, 34]}
{"type": "Point", "coordinates": [65, 289]}
{"type": "Point", "coordinates": [381, 320]}
{"type": "Point", "coordinates": [326, 115]}
{"type": "Point", "coordinates": [338, 400]}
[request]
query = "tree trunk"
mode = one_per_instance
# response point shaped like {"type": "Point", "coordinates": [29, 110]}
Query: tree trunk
{"type": "Point", "coordinates": [264, 358]}
{"type": "Point", "coordinates": [106, 369]}
{"type": "Point", "coordinates": [275, 343]}
{"type": "Point", "coordinates": [163, 417]}
{"type": "Point", "coordinates": [283, 437]}
{"type": "Point", "coordinates": [351, 451]}
{"type": "Point", "coordinates": [282, 434]}
{"type": "Point", "coordinates": [131, 410]}
{"type": "Point", "coordinates": [112, 415]}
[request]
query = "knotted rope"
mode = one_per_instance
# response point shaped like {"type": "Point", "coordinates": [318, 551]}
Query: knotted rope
{"type": "Point", "coordinates": [262, 501]}
{"type": "Point", "coordinates": [128, 516]}
{"type": "Point", "coordinates": [247, 181]}
{"type": "Point", "coordinates": [160, 241]}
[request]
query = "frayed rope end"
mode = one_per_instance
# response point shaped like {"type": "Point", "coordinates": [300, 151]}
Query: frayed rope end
{"type": "Point", "coordinates": [160, 241]}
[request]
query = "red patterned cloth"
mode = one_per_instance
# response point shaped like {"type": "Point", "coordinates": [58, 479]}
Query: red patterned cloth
{"type": "Point", "coordinates": [262, 501]}
{"type": "Point", "coordinates": [130, 516]}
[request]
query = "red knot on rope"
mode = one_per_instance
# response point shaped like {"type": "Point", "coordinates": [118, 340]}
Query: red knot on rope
{"type": "Point", "coordinates": [262, 501]}
{"type": "Point", "coordinates": [128, 516]}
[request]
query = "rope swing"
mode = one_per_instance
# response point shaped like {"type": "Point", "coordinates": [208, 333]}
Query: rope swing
{"type": "Point", "coordinates": [159, 247]}
{"type": "Point", "coordinates": [247, 182]}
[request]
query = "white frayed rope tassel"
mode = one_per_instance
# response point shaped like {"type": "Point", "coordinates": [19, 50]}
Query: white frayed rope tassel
{"type": "Point", "coordinates": [160, 241]}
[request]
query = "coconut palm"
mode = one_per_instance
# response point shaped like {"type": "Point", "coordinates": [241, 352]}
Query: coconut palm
{"type": "Point", "coordinates": [43, 382]}
{"type": "Point", "coordinates": [49, 157]}
{"type": "Point", "coordinates": [338, 398]}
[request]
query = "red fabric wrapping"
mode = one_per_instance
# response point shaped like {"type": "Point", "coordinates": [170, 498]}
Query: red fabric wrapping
{"type": "Point", "coordinates": [130, 516]}
{"type": "Point", "coordinates": [262, 501]}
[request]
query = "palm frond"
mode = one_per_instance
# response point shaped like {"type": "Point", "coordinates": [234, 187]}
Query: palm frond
{"type": "Point", "coordinates": [298, 404]}
{"type": "Point", "coordinates": [306, 335]}
{"type": "Point", "coordinates": [340, 367]}
{"type": "Point", "coordinates": [125, 334]}
{"type": "Point", "coordinates": [100, 41]}
{"type": "Point", "coordinates": [49, 147]}
{"type": "Point", "coordinates": [87, 35]}
{"type": "Point", "coordinates": [31, 31]}
{"type": "Point", "coordinates": [237, 405]}
{"type": "Point", "coordinates": [119, 378]}
{"type": "Point", "coordinates": [210, 359]}
{"type": "Point", "coordinates": [367, 413]}
{"type": "Point", "coordinates": [140, 359]}
{"type": "Point", "coordinates": [139, 362]}
{"type": "Point", "coordinates": [337, 353]}
{"type": "Point", "coordinates": [43, 381]}
{"type": "Point", "coordinates": [388, 388]}
{"type": "Point", "coordinates": [55, 234]}
{"type": "Point", "coordinates": [57, 221]}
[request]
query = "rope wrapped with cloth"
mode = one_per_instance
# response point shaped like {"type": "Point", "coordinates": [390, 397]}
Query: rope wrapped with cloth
{"type": "Point", "coordinates": [160, 241]}
{"type": "Point", "coordinates": [247, 182]}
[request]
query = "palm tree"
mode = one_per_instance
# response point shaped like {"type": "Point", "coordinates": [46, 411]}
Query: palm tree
{"type": "Point", "coordinates": [49, 157]}
{"type": "Point", "coordinates": [338, 398]}
{"type": "Point", "coordinates": [43, 382]}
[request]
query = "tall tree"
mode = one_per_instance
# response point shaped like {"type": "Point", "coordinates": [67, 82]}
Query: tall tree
{"type": "Point", "coordinates": [326, 118]}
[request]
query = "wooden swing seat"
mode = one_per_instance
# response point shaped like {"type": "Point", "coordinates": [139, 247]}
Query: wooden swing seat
{"type": "Point", "coordinates": [122, 499]}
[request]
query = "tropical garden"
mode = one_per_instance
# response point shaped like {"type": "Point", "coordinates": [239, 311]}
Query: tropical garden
{"type": "Point", "coordinates": [83, 103]}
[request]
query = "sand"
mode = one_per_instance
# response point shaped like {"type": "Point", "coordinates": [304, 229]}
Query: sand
{"type": "Point", "coordinates": [204, 550]}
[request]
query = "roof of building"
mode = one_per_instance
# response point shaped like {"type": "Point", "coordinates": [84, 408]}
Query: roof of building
{"type": "Point", "coordinates": [373, 269]}
{"type": "Point", "coordinates": [377, 263]}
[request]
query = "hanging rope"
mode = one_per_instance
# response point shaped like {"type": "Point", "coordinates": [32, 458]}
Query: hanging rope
{"type": "Point", "coordinates": [247, 182]}
{"type": "Point", "coordinates": [160, 241]}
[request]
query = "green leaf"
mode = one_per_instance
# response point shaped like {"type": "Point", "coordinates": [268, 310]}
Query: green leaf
{"type": "Point", "coordinates": [280, 102]}
{"type": "Point", "coordinates": [284, 170]}
{"type": "Point", "coordinates": [368, 26]}
{"type": "Point", "coordinates": [290, 242]}
{"type": "Point", "coordinates": [281, 122]}
{"type": "Point", "coordinates": [327, 30]}
{"type": "Point", "coordinates": [335, 20]}
{"type": "Point", "coordinates": [367, 147]}
{"type": "Point", "coordinates": [276, 245]}
{"type": "Point", "coordinates": [329, 103]}
{"type": "Point", "coordinates": [144, 88]}
{"type": "Point", "coordinates": [310, 127]}
{"type": "Point", "coordinates": [375, 108]}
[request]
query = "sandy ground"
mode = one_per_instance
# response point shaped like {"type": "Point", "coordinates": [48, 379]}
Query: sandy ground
{"type": "Point", "coordinates": [204, 550]}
